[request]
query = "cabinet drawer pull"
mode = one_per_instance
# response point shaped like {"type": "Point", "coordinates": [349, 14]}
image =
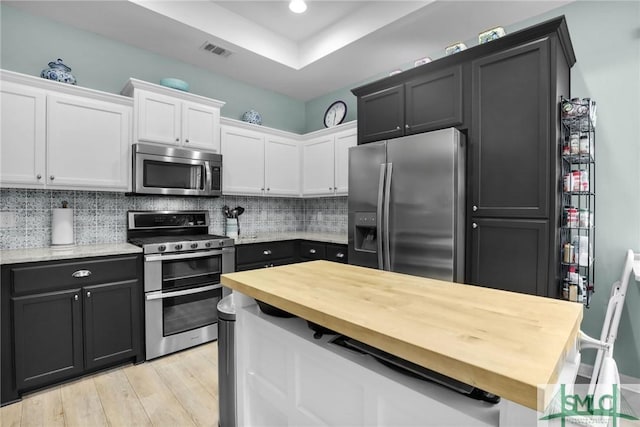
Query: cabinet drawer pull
{"type": "Point", "coordinates": [88, 294]}
{"type": "Point", "coordinates": [312, 251]}
{"type": "Point", "coordinates": [475, 208]}
{"type": "Point", "coordinates": [406, 126]}
{"type": "Point", "coordinates": [39, 176]}
{"type": "Point", "coordinates": [52, 177]}
{"type": "Point", "coordinates": [75, 297]}
{"type": "Point", "coordinates": [474, 225]}
{"type": "Point", "coordinates": [339, 255]}
{"type": "Point", "coordinates": [81, 273]}
{"type": "Point", "coordinates": [186, 140]}
{"type": "Point", "coordinates": [266, 252]}
{"type": "Point", "coordinates": [397, 127]}
{"type": "Point", "coordinates": [177, 139]}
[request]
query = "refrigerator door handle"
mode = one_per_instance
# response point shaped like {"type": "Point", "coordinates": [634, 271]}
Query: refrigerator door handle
{"type": "Point", "coordinates": [379, 214]}
{"type": "Point", "coordinates": [387, 203]}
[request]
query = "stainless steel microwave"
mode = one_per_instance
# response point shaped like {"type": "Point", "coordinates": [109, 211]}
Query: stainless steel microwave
{"type": "Point", "coordinates": [176, 171]}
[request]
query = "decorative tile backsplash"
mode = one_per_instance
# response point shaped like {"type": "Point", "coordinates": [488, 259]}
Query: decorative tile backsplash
{"type": "Point", "coordinates": [100, 217]}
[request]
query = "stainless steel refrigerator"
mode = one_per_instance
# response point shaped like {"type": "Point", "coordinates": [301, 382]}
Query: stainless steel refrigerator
{"type": "Point", "coordinates": [406, 205]}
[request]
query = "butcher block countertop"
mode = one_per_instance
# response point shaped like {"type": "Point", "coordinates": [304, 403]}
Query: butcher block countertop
{"type": "Point", "coordinates": [502, 342]}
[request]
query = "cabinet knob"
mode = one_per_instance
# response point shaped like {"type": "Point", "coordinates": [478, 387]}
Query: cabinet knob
{"type": "Point", "coordinates": [186, 140]}
{"type": "Point", "coordinates": [312, 251]}
{"type": "Point", "coordinates": [39, 176]}
{"type": "Point", "coordinates": [268, 189]}
{"type": "Point", "coordinates": [330, 188]}
{"type": "Point", "coordinates": [475, 208]}
{"type": "Point", "coordinates": [177, 139]}
{"type": "Point", "coordinates": [397, 127]}
{"type": "Point", "coordinates": [266, 252]}
{"type": "Point", "coordinates": [75, 297]}
{"type": "Point", "coordinates": [406, 126]}
{"type": "Point", "coordinates": [474, 225]}
{"type": "Point", "coordinates": [339, 255]}
{"type": "Point", "coordinates": [52, 177]}
{"type": "Point", "coordinates": [335, 188]}
{"type": "Point", "coordinates": [262, 189]}
{"type": "Point", "coordinates": [88, 294]}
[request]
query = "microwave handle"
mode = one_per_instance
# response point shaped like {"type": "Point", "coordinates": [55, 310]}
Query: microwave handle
{"type": "Point", "coordinates": [208, 178]}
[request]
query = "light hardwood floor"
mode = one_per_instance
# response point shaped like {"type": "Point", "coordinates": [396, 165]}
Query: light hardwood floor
{"type": "Point", "coordinates": [176, 390]}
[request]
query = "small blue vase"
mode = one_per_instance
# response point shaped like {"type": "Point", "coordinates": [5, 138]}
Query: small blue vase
{"type": "Point", "coordinates": [59, 72]}
{"type": "Point", "coordinates": [252, 116]}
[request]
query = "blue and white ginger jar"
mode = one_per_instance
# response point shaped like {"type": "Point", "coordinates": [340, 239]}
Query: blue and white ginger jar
{"type": "Point", "coordinates": [252, 116]}
{"type": "Point", "coordinates": [59, 72]}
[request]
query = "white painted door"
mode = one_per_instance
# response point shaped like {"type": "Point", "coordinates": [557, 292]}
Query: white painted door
{"type": "Point", "coordinates": [200, 126]}
{"type": "Point", "coordinates": [158, 118]}
{"type": "Point", "coordinates": [317, 167]}
{"type": "Point", "coordinates": [282, 167]}
{"type": "Point", "coordinates": [22, 133]}
{"type": "Point", "coordinates": [343, 141]}
{"type": "Point", "coordinates": [242, 161]}
{"type": "Point", "coordinates": [87, 143]}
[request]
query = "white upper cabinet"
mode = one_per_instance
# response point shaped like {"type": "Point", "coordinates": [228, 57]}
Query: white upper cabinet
{"type": "Point", "coordinates": [157, 118]}
{"type": "Point", "coordinates": [56, 135]}
{"type": "Point", "coordinates": [317, 160]}
{"type": "Point", "coordinates": [257, 162]}
{"type": "Point", "coordinates": [22, 133]}
{"type": "Point", "coordinates": [343, 141]}
{"type": "Point", "coordinates": [172, 117]}
{"type": "Point", "coordinates": [325, 163]}
{"type": "Point", "coordinates": [201, 126]}
{"type": "Point", "coordinates": [87, 143]}
{"type": "Point", "coordinates": [242, 161]}
{"type": "Point", "coordinates": [282, 167]}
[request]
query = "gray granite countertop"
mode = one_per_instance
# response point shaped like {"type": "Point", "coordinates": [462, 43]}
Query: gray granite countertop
{"type": "Point", "coordinates": [15, 256]}
{"type": "Point", "coordinates": [337, 238]}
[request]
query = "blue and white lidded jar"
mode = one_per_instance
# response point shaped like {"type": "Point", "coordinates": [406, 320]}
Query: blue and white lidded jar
{"type": "Point", "coordinates": [252, 116]}
{"type": "Point", "coordinates": [59, 72]}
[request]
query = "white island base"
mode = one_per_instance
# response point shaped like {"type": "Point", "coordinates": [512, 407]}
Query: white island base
{"type": "Point", "coordinates": [285, 377]}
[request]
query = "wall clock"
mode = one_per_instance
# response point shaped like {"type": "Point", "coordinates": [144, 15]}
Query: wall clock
{"type": "Point", "coordinates": [335, 114]}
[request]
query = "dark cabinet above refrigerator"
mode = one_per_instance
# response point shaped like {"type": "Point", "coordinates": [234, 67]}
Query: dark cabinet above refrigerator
{"type": "Point", "coordinates": [428, 102]}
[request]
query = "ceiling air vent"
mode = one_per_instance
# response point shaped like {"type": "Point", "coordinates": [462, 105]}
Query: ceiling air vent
{"type": "Point", "coordinates": [216, 50]}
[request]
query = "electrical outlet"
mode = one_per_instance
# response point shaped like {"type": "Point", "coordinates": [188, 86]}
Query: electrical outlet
{"type": "Point", "coordinates": [7, 219]}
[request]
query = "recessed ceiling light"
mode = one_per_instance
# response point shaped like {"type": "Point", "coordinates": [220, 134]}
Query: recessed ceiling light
{"type": "Point", "coordinates": [297, 6]}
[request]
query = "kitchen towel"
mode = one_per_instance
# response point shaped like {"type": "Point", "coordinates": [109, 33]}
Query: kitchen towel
{"type": "Point", "coordinates": [62, 227]}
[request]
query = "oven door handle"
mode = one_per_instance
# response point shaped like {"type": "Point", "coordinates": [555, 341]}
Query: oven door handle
{"type": "Point", "coordinates": [162, 295]}
{"type": "Point", "coordinates": [182, 256]}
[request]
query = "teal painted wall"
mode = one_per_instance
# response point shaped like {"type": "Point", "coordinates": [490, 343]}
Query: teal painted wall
{"type": "Point", "coordinates": [606, 39]}
{"type": "Point", "coordinates": [29, 42]}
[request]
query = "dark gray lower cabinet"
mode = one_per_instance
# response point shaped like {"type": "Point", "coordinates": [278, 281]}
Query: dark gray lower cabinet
{"type": "Point", "coordinates": [273, 254]}
{"type": "Point", "coordinates": [510, 254]}
{"type": "Point", "coordinates": [48, 338]}
{"type": "Point", "coordinates": [63, 319]}
{"type": "Point", "coordinates": [110, 338]}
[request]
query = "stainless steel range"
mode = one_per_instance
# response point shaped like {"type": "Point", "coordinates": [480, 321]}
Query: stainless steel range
{"type": "Point", "coordinates": [182, 268]}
